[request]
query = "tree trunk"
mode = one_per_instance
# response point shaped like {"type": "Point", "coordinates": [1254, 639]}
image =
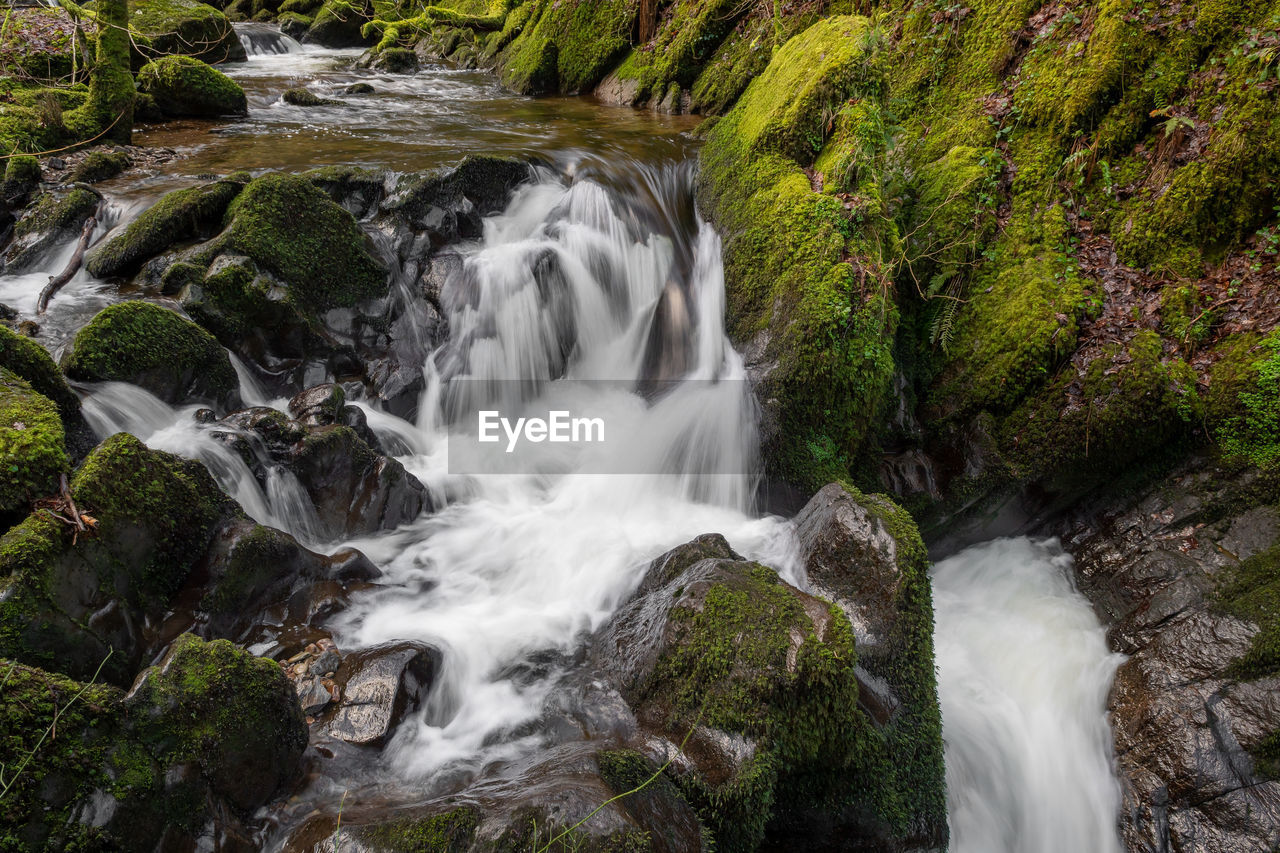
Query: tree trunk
{"type": "Point", "coordinates": [111, 89]}
{"type": "Point", "coordinates": [647, 22]}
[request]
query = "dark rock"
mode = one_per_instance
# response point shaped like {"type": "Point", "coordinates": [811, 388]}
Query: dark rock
{"type": "Point", "coordinates": [378, 688]}
{"type": "Point", "coordinates": [305, 98]}
{"type": "Point", "coordinates": [1186, 723]}
{"type": "Point", "coordinates": [396, 60]}
{"type": "Point", "coordinates": [359, 89]}
{"type": "Point", "coordinates": [318, 406]}
{"type": "Point", "coordinates": [338, 25]}
{"type": "Point", "coordinates": [21, 179]}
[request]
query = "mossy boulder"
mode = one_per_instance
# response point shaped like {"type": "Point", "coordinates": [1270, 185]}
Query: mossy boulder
{"type": "Point", "coordinates": [762, 679]}
{"type": "Point", "coordinates": [56, 218]}
{"type": "Point", "coordinates": [156, 349]}
{"type": "Point", "coordinates": [569, 46]}
{"type": "Point", "coordinates": [27, 359]}
{"type": "Point", "coordinates": [181, 215]}
{"type": "Point", "coordinates": [294, 24]}
{"type": "Point", "coordinates": [187, 28]}
{"type": "Point", "coordinates": [300, 97]}
{"type": "Point", "coordinates": [233, 715]}
{"type": "Point", "coordinates": [338, 23]}
{"type": "Point", "coordinates": [206, 737]}
{"type": "Point", "coordinates": [182, 86]}
{"type": "Point", "coordinates": [155, 515]}
{"type": "Point", "coordinates": [21, 178]}
{"type": "Point", "coordinates": [32, 446]}
{"type": "Point", "coordinates": [295, 231]}
{"type": "Point", "coordinates": [99, 166]}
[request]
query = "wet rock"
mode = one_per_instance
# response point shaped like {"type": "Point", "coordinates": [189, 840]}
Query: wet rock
{"type": "Point", "coordinates": [251, 571]}
{"type": "Point", "coordinates": [305, 98]}
{"type": "Point", "coordinates": [378, 687]}
{"type": "Point", "coordinates": [294, 25]}
{"type": "Point", "coordinates": [182, 86]}
{"type": "Point", "coordinates": [156, 349]}
{"type": "Point", "coordinates": [188, 28]}
{"type": "Point", "coordinates": [396, 60]}
{"type": "Point", "coordinates": [1188, 727]}
{"type": "Point", "coordinates": [720, 654]}
{"type": "Point", "coordinates": [181, 215]}
{"type": "Point", "coordinates": [57, 218]}
{"type": "Point", "coordinates": [359, 89]}
{"type": "Point", "coordinates": [68, 597]}
{"type": "Point", "coordinates": [318, 406]}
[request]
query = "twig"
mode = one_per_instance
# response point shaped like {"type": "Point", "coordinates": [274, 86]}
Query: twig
{"type": "Point", "coordinates": [56, 282]}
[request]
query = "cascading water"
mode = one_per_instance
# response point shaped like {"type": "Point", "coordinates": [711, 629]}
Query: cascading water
{"type": "Point", "coordinates": [1023, 675]}
{"type": "Point", "coordinates": [603, 273]}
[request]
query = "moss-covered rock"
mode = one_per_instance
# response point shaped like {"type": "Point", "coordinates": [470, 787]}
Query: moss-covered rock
{"type": "Point", "coordinates": [294, 24]}
{"type": "Point", "coordinates": [27, 359]}
{"type": "Point", "coordinates": [155, 514]}
{"type": "Point", "coordinates": [300, 97]}
{"type": "Point", "coordinates": [806, 283]}
{"type": "Point", "coordinates": [56, 218]}
{"type": "Point", "coordinates": [338, 23]}
{"type": "Point", "coordinates": [186, 28]}
{"type": "Point", "coordinates": [569, 46]}
{"type": "Point", "coordinates": [233, 715]}
{"type": "Point", "coordinates": [156, 349]}
{"type": "Point", "coordinates": [291, 228]}
{"type": "Point", "coordinates": [181, 215]}
{"type": "Point", "coordinates": [99, 166]}
{"type": "Point", "coordinates": [182, 86]}
{"type": "Point", "coordinates": [21, 178]}
{"type": "Point", "coordinates": [32, 447]}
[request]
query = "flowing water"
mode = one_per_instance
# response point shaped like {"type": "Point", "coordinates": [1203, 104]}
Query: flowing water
{"type": "Point", "coordinates": [519, 566]}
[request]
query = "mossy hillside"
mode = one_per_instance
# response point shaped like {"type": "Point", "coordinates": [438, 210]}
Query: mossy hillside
{"type": "Point", "coordinates": [183, 86]}
{"type": "Point", "coordinates": [32, 446]}
{"type": "Point", "coordinates": [154, 348]}
{"type": "Point", "coordinates": [155, 514]}
{"type": "Point", "coordinates": [569, 46]}
{"type": "Point", "coordinates": [821, 294]}
{"type": "Point", "coordinates": [1242, 406]}
{"type": "Point", "coordinates": [186, 27]}
{"type": "Point", "coordinates": [288, 226]}
{"type": "Point", "coordinates": [180, 215]}
{"type": "Point", "coordinates": [32, 115]}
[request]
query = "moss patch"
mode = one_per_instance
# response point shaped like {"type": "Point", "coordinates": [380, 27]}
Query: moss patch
{"type": "Point", "coordinates": [32, 448]}
{"type": "Point", "coordinates": [154, 348]}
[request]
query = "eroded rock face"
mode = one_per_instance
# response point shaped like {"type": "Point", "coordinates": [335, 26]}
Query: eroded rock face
{"type": "Point", "coordinates": [1152, 563]}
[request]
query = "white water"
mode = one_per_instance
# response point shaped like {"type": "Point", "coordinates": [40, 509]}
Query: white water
{"type": "Point", "coordinates": [1024, 672]}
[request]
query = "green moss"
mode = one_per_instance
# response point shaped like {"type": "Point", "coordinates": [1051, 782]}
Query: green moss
{"type": "Point", "coordinates": [291, 228]}
{"type": "Point", "coordinates": [186, 27]}
{"type": "Point", "coordinates": [1252, 591]}
{"type": "Point", "coordinates": [21, 176]}
{"type": "Point", "coordinates": [180, 215]}
{"type": "Point", "coordinates": [450, 832]}
{"type": "Point", "coordinates": [338, 24]}
{"type": "Point", "coordinates": [569, 46]}
{"type": "Point", "coordinates": [32, 362]}
{"type": "Point", "coordinates": [155, 348]}
{"type": "Point", "coordinates": [742, 56]}
{"type": "Point", "coordinates": [1266, 756]}
{"type": "Point", "coordinates": [1243, 402]}
{"type": "Point", "coordinates": [32, 448]}
{"type": "Point", "coordinates": [299, 7]}
{"type": "Point", "coordinates": [183, 86]}
{"type": "Point", "coordinates": [54, 213]}
{"type": "Point", "coordinates": [55, 735]}
{"type": "Point", "coordinates": [107, 114]}
{"type": "Point", "coordinates": [99, 166]}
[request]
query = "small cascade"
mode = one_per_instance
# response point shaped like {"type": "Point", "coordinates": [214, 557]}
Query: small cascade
{"type": "Point", "coordinates": [265, 40]}
{"type": "Point", "coordinates": [1023, 677]}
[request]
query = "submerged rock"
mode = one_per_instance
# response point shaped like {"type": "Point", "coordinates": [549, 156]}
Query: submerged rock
{"type": "Point", "coordinates": [305, 98]}
{"type": "Point", "coordinates": [182, 86]}
{"type": "Point", "coordinates": [156, 349]}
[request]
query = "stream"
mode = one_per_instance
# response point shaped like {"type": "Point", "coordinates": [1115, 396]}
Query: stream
{"type": "Point", "coordinates": [516, 567]}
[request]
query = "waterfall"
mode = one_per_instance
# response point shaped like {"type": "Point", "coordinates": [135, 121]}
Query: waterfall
{"type": "Point", "coordinates": [1024, 672]}
{"type": "Point", "coordinates": [266, 40]}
